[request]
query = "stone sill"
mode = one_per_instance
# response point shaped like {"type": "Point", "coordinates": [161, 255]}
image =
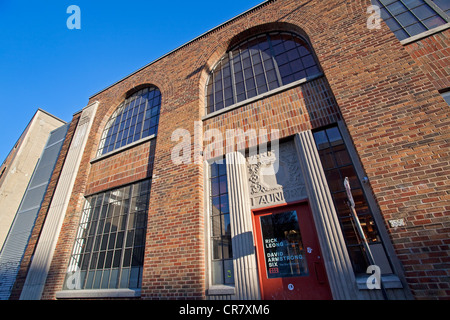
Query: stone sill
{"type": "Point", "coordinates": [425, 34]}
{"type": "Point", "coordinates": [220, 290]}
{"type": "Point", "coordinates": [262, 96]}
{"type": "Point", "coordinates": [128, 146]}
{"type": "Point", "coordinates": [390, 281]}
{"type": "Point", "coordinates": [98, 293]}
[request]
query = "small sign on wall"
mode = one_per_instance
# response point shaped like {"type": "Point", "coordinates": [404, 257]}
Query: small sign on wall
{"type": "Point", "coordinates": [395, 223]}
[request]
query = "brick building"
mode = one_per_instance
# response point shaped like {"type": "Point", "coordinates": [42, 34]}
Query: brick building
{"type": "Point", "coordinates": [217, 171]}
{"type": "Point", "coordinates": [17, 169]}
{"type": "Point", "coordinates": [24, 175]}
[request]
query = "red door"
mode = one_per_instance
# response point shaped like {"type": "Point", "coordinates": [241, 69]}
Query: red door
{"type": "Point", "coordinates": [289, 257]}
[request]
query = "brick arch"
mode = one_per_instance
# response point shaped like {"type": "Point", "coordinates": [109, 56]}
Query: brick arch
{"type": "Point", "coordinates": [265, 28]}
{"type": "Point", "coordinates": [135, 89]}
{"type": "Point", "coordinates": [127, 87]}
{"type": "Point", "coordinates": [357, 7]}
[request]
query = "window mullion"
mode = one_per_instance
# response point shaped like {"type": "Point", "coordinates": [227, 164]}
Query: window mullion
{"type": "Point", "coordinates": [102, 267]}
{"type": "Point", "coordinates": [438, 10]}
{"type": "Point", "coordinates": [136, 108]}
{"type": "Point", "coordinates": [119, 123]}
{"type": "Point", "coordinates": [233, 80]}
{"type": "Point", "coordinates": [398, 22]}
{"type": "Point", "coordinates": [253, 71]}
{"type": "Point", "coordinates": [94, 242]}
{"type": "Point", "coordinates": [129, 118]}
{"type": "Point", "coordinates": [275, 64]}
{"type": "Point", "coordinates": [214, 87]}
{"type": "Point", "coordinates": [143, 116]}
{"type": "Point", "coordinates": [92, 249]}
{"type": "Point", "coordinates": [243, 73]}
{"type": "Point", "coordinates": [108, 205]}
{"type": "Point", "coordinates": [125, 235]}
{"type": "Point", "coordinates": [207, 97]}
{"type": "Point", "coordinates": [223, 84]}
{"type": "Point", "coordinates": [415, 16]}
{"type": "Point", "coordinates": [264, 70]}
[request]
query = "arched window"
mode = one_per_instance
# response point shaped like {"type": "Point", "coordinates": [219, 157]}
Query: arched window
{"type": "Point", "coordinates": [258, 65]}
{"type": "Point", "coordinates": [136, 118]}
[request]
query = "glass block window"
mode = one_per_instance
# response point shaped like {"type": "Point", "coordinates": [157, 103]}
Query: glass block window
{"type": "Point", "coordinates": [108, 251]}
{"type": "Point", "coordinates": [407, 18]}
{"type": "Point", "coordinates": [221, 249]}
{"type": "Point", "coordinates": [136, 118]}
{"type": "Point", "coordinates": [337, 165]}
{"type": "Point", "coordinates": [258, 65]}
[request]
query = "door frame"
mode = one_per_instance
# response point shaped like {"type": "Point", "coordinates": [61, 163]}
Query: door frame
{"type": "Point", "coordinates": [259, 211]}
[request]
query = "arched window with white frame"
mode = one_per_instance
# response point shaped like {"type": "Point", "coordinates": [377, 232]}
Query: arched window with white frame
{"type": "Point", "coordinates": [258, 65]}
{"type": "Point", "coordinates": [136, 118]}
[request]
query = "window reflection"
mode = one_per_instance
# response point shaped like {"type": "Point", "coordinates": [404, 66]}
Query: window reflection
{"type": "Point", "coordinates": [283, 246]}
{"type": "Point", "coordinates": [409, 18]}
{"type": "Point", "coordinates": [221, 248]}
{"type": "Point", "coordinates": [109, 247]}
{"type": "Point", "coordinates": [136, 118]}
{"type": "Point", "coordinates": [258, 65]}
{"type": "Point", "coordinates": [337, 165]}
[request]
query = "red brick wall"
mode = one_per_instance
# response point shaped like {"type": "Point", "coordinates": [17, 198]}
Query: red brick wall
{"type": "Point", "coordinates": [433, 56]}
{"type": "Point", "coordinates": [122, 168]}
{"type": "Point", "coordinates": [396, 119]}
{"type": "Point", "coordinates": [400, 127]}
{"type": "Point", "coordinates": [304, 107]}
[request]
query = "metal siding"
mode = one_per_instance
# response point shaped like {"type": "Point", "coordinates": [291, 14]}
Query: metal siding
{"type": "Point", "coordinates": [22, 227]}
{"type": "Point", "coordinates": [47, 163]}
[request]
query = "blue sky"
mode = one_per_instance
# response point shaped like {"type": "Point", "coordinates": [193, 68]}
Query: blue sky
{"type": "Point", "coordinates": [43, 64]}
